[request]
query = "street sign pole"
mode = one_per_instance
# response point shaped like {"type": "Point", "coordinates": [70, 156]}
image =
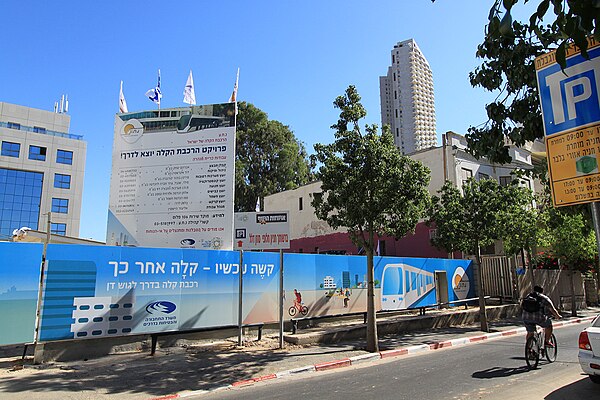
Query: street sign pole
{"type": "Point", "coordinates": [240, 297]}
{"type": "Point", "coordinates": [281, 296]}
{"type": "Point", "coordinates": [596, 220]}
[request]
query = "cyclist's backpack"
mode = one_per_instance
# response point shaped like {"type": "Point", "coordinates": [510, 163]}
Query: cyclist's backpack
{"type": "Point", "coordinates": [531, 303]}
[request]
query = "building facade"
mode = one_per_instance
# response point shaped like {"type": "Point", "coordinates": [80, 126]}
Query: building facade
{"type": "Point", "coordinates": [449, 162]}
{"type": "Point", "coordinates": [42, 167]}
{"type": "Point", "coordinates": [407, 99]}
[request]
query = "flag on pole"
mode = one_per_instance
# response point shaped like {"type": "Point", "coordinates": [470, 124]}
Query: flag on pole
{"type": "Point", "coordinates": [122, 102]}
{"type": "Point", "coordinates": [257, 208]}
{"type": "Point", "coordinates": [189, 96]}
{"type": "Point", "coordinates": [154, 94]}
{"type": "Point", "coordinates": [233, 97]}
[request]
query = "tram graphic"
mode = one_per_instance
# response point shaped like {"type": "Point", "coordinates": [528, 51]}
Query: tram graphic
{"type": "Point", "coordinates": [403, 285]}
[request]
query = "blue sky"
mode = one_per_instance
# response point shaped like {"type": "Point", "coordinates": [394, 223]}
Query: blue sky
{"type": "Point", "coordinates": [294, 59]}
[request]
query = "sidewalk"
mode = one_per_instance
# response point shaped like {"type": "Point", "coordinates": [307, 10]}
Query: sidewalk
{"type": "Point", "coordinates": [199, 367]}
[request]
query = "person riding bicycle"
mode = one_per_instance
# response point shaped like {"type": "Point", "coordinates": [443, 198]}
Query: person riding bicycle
{"type": "Point", "coordinates": [539, 315]}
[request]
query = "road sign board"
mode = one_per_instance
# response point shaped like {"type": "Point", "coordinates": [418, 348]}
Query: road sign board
{"type": "Point", "coordinates": [570, 99]}
{"type": "Point", "coordinates": [570, 102]}
{"type": "Point", "coordinates": [265, 230]}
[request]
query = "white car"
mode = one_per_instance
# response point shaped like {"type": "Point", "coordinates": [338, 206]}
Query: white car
{"type": "Point", "coordinates": [589, 350]}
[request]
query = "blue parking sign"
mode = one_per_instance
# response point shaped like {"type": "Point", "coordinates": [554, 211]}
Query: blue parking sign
{"type": "Point", "coordinates": [570, 99]}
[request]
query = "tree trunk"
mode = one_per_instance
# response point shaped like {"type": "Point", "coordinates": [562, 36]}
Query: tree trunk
{"type": "Point", "coordinates": [573, 302]}
{"type": "Point", "coordinates": [372, 340]}
{"type": "Point", "coordinates": [531, 277]}
{"type": "Point", "coordinates": [482, 313]}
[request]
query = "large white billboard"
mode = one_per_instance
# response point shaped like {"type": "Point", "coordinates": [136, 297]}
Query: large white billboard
{"type": "Point", "coordinates": [173, 178]}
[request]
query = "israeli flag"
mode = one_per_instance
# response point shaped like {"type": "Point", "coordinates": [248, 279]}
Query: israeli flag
{"type": "Point", "coordinates": [154, 94]}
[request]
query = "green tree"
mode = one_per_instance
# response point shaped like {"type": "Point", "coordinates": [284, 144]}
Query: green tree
{"type": "Point", "coordinates": [572, 241]}
{"type": "Point", "coordinates": [522, 224]}
{"type": "Point", "coordinates": [269, 158]}
{"type": "Point", "coordinates": [369, 187]}
{"type": "Point", "coordinates": [508, 53]}
{"type": "Point", "coordinates": [508, 68]}
{"type": "Point", "coordinates": [575, 21]}
{"type": "Point", "coordinates": [476, 217]}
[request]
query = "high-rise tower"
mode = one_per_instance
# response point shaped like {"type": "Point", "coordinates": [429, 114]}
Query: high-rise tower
{"type": "Point", "coordinates": [407, 102]}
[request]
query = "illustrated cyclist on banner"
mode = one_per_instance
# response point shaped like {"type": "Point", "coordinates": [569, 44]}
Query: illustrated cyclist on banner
{"type": "Point", "coordinates": [297, 300]}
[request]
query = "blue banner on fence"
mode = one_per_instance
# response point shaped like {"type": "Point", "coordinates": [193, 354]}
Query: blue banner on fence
{"type": "Point", "coordinates": [105, 291]}
{"type": "Point", "coordinates": [19, 285]}
{"type": "Point", "coordinates": [93, 291]}
{"type": "Point", "coordinates": [328, 284]}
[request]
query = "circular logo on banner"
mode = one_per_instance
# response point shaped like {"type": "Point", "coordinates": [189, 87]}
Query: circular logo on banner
{"type": "Point", "coordinates": [132, 130]}
{"type": "Point", "coordinates": [460, 283]}
{"type": "Point", "coordinates": [161, 307]}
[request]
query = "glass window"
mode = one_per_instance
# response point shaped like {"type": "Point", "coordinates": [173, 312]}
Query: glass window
{"type": "Point", "coordinates": [64, 157]}
{"type": "Point", "coordinates": [37, 153]}
{"type": "Point", "coordinates": [466, 175]}
{"type": "Point", "coordinates": [62, 181]}
{"type": "Point", "coordinates": [60, 205]}
{"type": "Point", "coordinates": [14, 125]}
{"type": "Point", "coordinates": [483, 176]}
{"type": "Point", "coordinates": [58, 229]}
{"type": "Point", "coordinates": [20, 199]}
{"type": "Point", "coordinates": [38, 129]}
{"type": "Point", "coordinates": [505, 180]}
{"type": "Point", "coordinates": [11, 149]}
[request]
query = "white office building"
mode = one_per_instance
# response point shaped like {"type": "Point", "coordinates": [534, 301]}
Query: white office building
{"type": "Point", "coordinates": [407, 100]}
{"type": "Point", "coordinates": [41, 170]}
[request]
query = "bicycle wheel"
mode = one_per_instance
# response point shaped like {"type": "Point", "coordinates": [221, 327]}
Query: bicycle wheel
{"type": "Point", "coordinates": [532, 352]}
{"type": "Point", "coordinates": [292, 311]}
{"type": "Point", "coordinates": [552, 349]}
{"type": "Point", "coordinates": [304, 310]}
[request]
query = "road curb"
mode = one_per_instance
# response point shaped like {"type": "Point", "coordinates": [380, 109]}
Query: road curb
{"type": "Point", "coordinates": [362, 358]}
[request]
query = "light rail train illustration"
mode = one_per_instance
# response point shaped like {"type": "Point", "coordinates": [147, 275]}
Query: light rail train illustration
{"type": "Point", "coordinates": [402, 285]}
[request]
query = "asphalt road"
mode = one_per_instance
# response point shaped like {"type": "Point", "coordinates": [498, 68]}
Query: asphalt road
{"type": "Point", "coordinates": [487, 371]}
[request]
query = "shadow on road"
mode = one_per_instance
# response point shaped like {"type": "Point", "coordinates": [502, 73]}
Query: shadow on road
{"type": "Point", "coordinates": [583, 389]}
{"type": "Point", "coordinates": [498, 372]}
{"type": "Point", "coordinates": [146, 375]}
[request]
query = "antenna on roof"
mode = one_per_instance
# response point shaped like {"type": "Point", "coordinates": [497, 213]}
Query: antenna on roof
{"type": "Point", "coordinates": [64, 105]}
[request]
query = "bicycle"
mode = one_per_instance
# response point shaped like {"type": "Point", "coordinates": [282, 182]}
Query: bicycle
{"type": "Point", "coordinates": [295, 308]}
{"type": "Point", "coordinates": [535, 347]}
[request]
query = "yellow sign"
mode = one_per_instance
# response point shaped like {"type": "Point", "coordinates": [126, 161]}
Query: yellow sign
{"type": "Point", "coordinates": [573, 166]}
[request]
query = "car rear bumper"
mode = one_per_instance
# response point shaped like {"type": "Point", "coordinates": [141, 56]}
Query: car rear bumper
{"type": "Point", "coordinates": [586, 358]}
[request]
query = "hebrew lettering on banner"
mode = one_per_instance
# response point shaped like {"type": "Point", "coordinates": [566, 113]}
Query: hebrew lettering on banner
{"type": "Point", "coordinates": [110, 291]}
{"type": "Point", "coordinates": [104, 291]}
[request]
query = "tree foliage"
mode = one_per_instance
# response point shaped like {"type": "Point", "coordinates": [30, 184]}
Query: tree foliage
{"type": "Point", "coordinates": [369, 187]}
{"type": "Point", "coordinates": [520, 220]}
{"type": "Point", "coordinates": [269, 158]}
{"type": "Point", "coordinates": [570, 237]}
{"type": "Point", "coordinates": [508, 53]}
{"type": "Point", "coordinates": [483, 212]}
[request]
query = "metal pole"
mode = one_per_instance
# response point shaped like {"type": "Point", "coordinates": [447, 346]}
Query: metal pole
{"type": "Point", "coordinates": [240, 303]}
{"type": "Point", "coordinates": [281, 297]}
{"type": "Point", "coordinates": [38, 309]}
{"type": "Point", "coordinates": [596, 220]}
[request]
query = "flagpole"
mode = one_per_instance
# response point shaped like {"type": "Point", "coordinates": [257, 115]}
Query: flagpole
{"type": "Point", "coordinates": [159, 91]}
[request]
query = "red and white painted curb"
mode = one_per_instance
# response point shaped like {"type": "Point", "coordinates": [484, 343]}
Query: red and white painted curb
{"type": "Point", "coordinates": [370, 357]}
